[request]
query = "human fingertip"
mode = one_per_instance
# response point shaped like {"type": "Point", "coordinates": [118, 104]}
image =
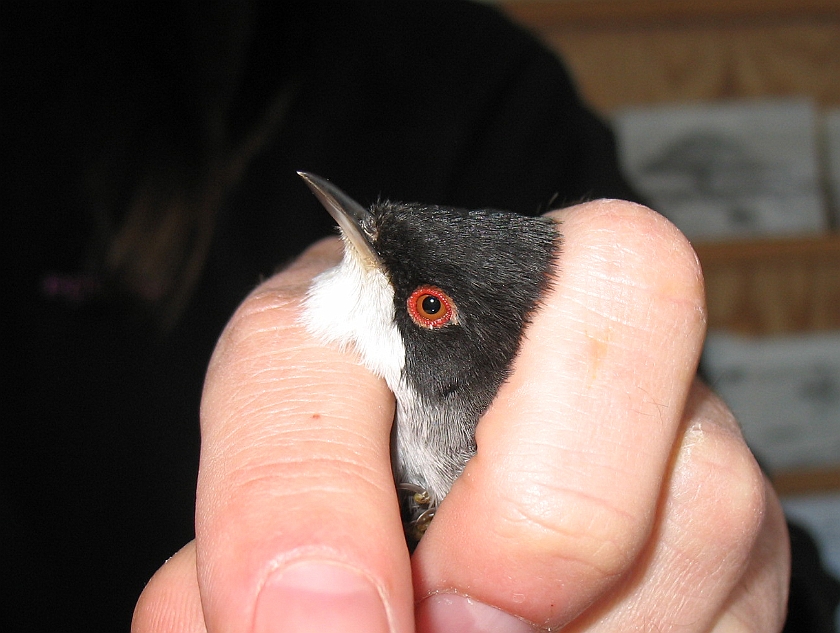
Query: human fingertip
{"type": "Point", "coordinates": [170, 603]}
{"type": "Point", "coordinates": [328, 248]}
{"type": "Point", "coordinates": [445, 612]}
{"type": "Point", "coordinates": [320, 596]}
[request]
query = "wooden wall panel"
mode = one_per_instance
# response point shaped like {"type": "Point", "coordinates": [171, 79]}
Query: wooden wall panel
{"type": "Point", "coordinates": [773, 286]}
{"type": "Point", "coordinates": [638, 52]}
{"type": "Point", "coordinates": [629, 53]}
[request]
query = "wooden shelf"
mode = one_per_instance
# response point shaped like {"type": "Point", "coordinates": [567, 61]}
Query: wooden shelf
{"type": "Point", "coordinates": [807, 481]}
{"type": "Point", "coordinates": [773, 286]}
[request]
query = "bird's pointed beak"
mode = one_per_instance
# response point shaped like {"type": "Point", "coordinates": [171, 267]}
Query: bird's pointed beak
{"type": "Point", "coordinates": [355, 221]}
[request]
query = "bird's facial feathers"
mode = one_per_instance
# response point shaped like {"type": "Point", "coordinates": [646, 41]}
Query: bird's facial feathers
{"type": "Point", "coordinates": [492, 267]}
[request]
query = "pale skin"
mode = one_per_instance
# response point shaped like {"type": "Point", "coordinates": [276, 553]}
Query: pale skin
{"type": "Point", "coordinates": [611, 490]}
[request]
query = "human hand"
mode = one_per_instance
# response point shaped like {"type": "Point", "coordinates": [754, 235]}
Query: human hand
{"type": "Point", "coordinates": [611, 491]}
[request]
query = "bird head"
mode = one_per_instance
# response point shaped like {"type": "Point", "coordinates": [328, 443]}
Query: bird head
{"type": "Point", "coordinates": [435, 300]}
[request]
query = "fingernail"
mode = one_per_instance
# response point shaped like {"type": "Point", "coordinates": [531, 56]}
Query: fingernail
{"type": "Point", "coordinates": [317, 597]}
{"type": "Point", "coordinates": [451, 612]}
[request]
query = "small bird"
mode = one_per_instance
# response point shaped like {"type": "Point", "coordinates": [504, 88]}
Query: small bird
{"type": "Point", "coordinates": [434, 300]}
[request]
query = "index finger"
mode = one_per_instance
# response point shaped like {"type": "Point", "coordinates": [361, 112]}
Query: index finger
{"type": "Point", "coordinates": [297, 523]}
{"type": "Point", "coordinates": [561, 496]}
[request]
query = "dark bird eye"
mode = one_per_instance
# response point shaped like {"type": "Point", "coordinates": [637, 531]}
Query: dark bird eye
{"type": "Point", "coordinates": [430, 307]}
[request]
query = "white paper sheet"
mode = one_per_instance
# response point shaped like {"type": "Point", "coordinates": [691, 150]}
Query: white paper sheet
{"type": "Point", "coordinates": [831, 131]}
{"type": "Point", "coordinates": [785, 392]}
{"type": "Point", "coordinates": [820, 515]}
{"type": "Point", "coordinates": [727, 170]}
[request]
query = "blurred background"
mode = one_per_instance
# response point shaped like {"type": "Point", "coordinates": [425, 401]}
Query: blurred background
{"type": "Point", "coordinates": [727, 114]}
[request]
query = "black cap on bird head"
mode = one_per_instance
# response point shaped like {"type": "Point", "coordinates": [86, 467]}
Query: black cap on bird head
{"type": "Point", "coordinates": [435, 299]}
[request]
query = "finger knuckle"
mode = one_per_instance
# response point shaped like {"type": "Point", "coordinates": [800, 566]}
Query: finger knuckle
{"type": "Point", "coordinates": [598, 536]}
{"type": "Point", "coordinates": [727, 487]}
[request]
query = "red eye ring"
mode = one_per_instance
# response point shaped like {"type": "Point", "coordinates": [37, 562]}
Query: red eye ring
{"type": "Point", "coordinates": [430, 307]}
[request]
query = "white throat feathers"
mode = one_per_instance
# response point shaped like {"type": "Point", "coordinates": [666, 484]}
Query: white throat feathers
{"type": "Point", "coordinates": [352, 305]}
